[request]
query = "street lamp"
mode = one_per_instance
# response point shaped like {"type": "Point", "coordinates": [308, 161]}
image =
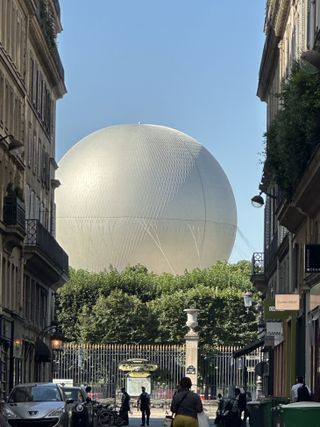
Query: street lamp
{"type": "Point", "coordinates": [43, 354]}
{"type": "Point", "coordinates": [57, 339]}
{"type": "Point", "coordinates": [258, 201]}
{"type": "Point", "coordinates": [247, 299]}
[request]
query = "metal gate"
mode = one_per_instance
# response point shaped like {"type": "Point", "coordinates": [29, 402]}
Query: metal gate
{"type": "Point", "coordinates": [220, 372]}
{"type": "Point", "coordinates": [97, 365]}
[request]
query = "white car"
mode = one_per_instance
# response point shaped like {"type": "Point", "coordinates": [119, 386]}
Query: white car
{"type": "Point", "coordinates": [40, 404]}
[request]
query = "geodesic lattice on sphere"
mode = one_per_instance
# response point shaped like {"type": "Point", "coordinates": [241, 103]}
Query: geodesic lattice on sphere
{"type": "Point", "coordinates": [143, 194]}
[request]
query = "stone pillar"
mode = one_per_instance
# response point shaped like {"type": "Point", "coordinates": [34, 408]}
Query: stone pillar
{"type": "Point", "coordinates": [192, 341]}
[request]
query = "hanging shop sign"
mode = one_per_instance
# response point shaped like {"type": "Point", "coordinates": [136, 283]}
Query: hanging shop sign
{"type": "Point", "coordinates": [287, 302]}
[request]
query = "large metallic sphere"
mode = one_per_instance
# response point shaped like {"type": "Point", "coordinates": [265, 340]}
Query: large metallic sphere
{"type": "Point", "coordinates": [143, 194]}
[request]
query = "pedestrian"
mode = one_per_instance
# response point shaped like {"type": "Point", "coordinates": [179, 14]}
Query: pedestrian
{"type": "Point", "coordinates": [219, 414]}
{"type": "Point", "coordinates": [125, 406]}
{"type": "Point", "coordinates": [232, 411]}
{"type": "Point", "coordinates": [186, 405]}
{"type": "Point", "coordinates": [242, 403]}
{"type": "Point", "coordinates": [299, 391]}
{"type": "Point", "coordinates": [88, 390]}
{"type": "Point", "coordinates": [144, 405]}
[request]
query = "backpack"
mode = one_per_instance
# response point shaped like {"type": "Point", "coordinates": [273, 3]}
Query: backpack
{"type": "Point", "coordinates": [303, 394]}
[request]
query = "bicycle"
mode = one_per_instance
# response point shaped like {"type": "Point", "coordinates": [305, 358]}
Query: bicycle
{"type": "Point", "coordinates": [107, 416]}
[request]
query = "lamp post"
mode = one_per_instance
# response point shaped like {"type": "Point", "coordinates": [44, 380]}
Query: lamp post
{"type": "Point", "coordinates": [257, 201]}
{"type": "Point", "coordinates": [43, 354]}
{"type": "Point", "coordinates": [247, 300]}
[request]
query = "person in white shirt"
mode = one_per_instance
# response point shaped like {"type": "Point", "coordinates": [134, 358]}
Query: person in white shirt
{"type": "Point", "coordinates": [294, 389]}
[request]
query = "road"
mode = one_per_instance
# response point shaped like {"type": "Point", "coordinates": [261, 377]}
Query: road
{"type": "Point", "coordinates": [134, 421]}
{"type": "Point", "coordinates": [155, 421]}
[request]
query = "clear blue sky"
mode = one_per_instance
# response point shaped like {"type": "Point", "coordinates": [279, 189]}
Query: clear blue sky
{"type": "Point", "coordinates": [189, 64]}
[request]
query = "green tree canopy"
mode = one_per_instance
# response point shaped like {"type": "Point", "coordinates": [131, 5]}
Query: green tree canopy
{"type": "Point", "coordinates": [138, 306]}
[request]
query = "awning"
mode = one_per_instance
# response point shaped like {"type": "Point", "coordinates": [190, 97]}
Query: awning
{"type": "Point", "coordinates": [248, 348]}
{"type": "Point", "coordinates": [42, 352]}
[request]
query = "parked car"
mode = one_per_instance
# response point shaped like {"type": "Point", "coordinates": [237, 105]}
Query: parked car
{"type": "Point", "coordinates": [81, 407]}
{"type": "Point", "coordinates": [40, 404]}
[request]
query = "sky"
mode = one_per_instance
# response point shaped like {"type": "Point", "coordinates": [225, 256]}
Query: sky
{"type": "Point", "coordinates": [188, 64]}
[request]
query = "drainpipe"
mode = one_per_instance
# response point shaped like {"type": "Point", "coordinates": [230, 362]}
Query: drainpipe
{"type": "Point", "coordinates": [308, 320]}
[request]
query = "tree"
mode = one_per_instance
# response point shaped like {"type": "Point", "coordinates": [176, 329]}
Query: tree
{"type": "Point", "coordinates": [118, 317]}
{"type": "Point", "coordinates": [138, 306]}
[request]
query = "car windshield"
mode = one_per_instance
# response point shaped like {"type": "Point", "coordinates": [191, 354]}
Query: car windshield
{"type": "Point", "coordinates": [35, 393]}
{"type": "Point", "coordinates": [73, 393]}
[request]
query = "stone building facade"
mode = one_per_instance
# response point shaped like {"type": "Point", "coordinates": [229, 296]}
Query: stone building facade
{"type": "Point", "coordinates": [32, 264]}
{"type": "Point", "coordinates": [291, 28]}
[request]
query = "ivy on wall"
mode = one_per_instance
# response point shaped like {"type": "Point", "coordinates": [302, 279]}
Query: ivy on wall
{"type": "Point", "coordinates": [295, 132]}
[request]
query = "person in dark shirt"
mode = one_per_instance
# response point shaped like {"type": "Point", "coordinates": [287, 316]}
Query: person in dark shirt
{"type": "Point", "coordinates": [185, 405]}
{"type": "Point", "coordinates": [144, 405]}
{"type": "Point", "coordinates": [219, 414]}
{"type": "Point", "coordinates": [125, 406]}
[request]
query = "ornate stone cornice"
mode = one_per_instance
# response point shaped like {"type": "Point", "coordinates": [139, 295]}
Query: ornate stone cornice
{"type": "Point", "coordinates": [276, 16]}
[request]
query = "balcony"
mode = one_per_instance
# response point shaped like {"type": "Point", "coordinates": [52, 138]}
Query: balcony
{"type": "Point", "coordinates": [257, 272]}
{"type": "Point", "coordinates": [44, 255]}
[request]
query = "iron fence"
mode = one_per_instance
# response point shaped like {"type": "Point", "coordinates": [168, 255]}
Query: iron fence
{"type": "Point", "coordinates": [220, 372]}
{"type": "Point", "coordinates": [97, 365]}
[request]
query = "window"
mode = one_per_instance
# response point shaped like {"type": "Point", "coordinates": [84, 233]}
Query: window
{"type": "Point", "coordinates": [1, 99]}
{"type": "Point", "coordinates": [29, 145]}
{"type": "Point", "coordinates": [34, 152]}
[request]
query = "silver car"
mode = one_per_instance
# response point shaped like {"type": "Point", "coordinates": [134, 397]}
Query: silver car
{"type": "Point", "coordinates": [40, 404]}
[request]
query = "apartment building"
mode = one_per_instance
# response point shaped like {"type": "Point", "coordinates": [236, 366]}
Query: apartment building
{"type": "Point", "coordinates": [292, 337]}
{"type": "Point", "coordinates": [32, 264]}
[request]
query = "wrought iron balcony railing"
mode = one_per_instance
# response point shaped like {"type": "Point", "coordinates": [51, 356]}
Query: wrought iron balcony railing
{"type": "Point", "coordinates": [14, 211]}
{"type": "Point", "coordinates": [258, 277]}
{"type": "Point", "coordinates": [39, 237]}
{"type": "Point", "coordinates": [257, 264]}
